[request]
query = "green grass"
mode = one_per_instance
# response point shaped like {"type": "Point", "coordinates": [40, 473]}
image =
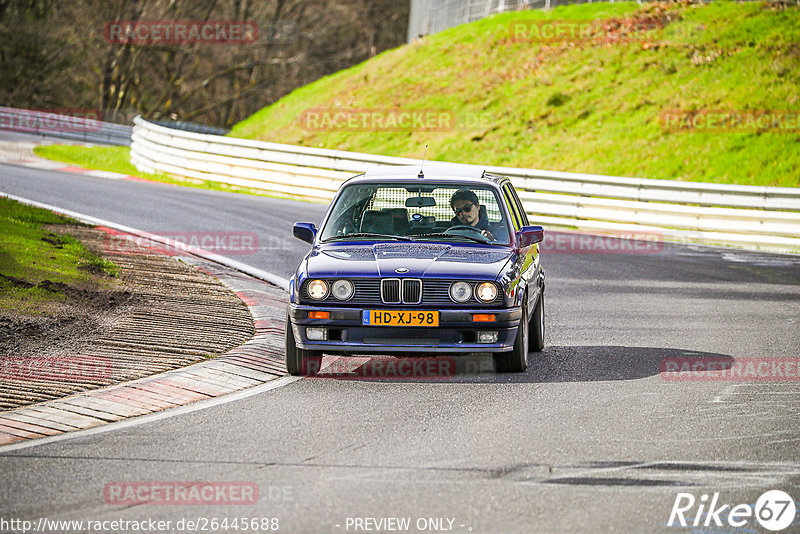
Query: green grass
{"type": "Point", "coordinates": [105, 158]}
{"type": "Point", "coordinates": [591, 107]}
{"type": "Point", "coordinates": [30, 254]}
{"type": "Point", "coordinates": [118, 159]}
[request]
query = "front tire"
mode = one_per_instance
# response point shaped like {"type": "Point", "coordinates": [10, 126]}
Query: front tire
{"type": "Point", "coordinates": [300, 362]}
{"type": "Point", "coordinates": [537, 326]}
{"type": "Point", "coordinates": [516, 361]}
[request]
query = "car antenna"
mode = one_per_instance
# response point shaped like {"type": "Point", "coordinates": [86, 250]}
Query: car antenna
{"type": "Point", "coordinates": [421, 175]}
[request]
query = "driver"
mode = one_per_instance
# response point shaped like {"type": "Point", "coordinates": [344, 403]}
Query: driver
{"type": "Point", "coordinates": [468, 212]}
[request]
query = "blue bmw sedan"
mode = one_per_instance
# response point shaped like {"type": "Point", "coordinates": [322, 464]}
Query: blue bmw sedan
{"type": "Point", "coordinates": [410, 262]}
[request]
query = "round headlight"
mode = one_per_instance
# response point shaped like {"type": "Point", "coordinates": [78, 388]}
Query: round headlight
{"type": "Point", "coordinates": [460, 291]}
{"type": "Point", "coordinates": [486, 291]}
{"type": "Point", "coordinates": [318, 289]}
{"type": "Point", "coordinates": [342, 289]}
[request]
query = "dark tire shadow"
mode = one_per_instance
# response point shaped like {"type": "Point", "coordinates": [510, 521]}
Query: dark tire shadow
{"type": "Point", "coordinates": [609, 362]}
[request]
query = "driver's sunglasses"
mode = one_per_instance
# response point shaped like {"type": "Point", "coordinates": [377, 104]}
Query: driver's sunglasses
{"type": "Point", "coordinates": [463, 209]}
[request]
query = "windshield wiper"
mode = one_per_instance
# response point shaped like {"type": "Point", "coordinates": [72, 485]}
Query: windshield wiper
{"type": "Point", "coordinates": [367, 234]}
{"type": "Point", "coordinates": [475, 239]}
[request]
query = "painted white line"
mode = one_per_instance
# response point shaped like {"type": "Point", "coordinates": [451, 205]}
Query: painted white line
{"type": "Point", "coordinates": [156, 416]}
{"type": "Point", "coordinates": [60, 166]}
{"type": "Point", "coordinates": [727, 392]}
{"type": "Point", "coordinates": [31, 163]}
{"type": "Point", "coordinates": [202, 253]}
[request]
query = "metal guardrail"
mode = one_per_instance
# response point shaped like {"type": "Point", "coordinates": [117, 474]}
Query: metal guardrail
{"type": "Point", "coordinates": [78, 125]}
{"type": "Point", "coordinates": [749, 216]}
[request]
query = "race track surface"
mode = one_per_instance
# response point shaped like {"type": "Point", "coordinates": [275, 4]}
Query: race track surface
{"type": "Point", "coordinates": [592, 438]}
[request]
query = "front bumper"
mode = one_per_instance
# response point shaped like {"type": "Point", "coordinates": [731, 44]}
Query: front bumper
{"type": "Point", "coordinates": [456, 333]}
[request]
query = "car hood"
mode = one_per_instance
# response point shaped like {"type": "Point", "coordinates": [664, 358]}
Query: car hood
{"type": "Point", "coordinates": [423, 260]}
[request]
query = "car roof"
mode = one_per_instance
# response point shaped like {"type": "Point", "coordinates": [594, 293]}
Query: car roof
{"type": "Point", "coordinates": [431, 171]}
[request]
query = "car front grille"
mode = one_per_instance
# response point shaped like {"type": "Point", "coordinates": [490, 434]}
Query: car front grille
{"type": "Point", "coordinates": [412, 291]}
{"type": "Point", "coordinates": [390, 290]}
{"type": "Point", "coordinates": [371, 291]}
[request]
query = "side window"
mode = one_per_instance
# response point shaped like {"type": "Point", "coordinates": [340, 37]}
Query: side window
{"type": "Point", "coordinates": [512, 207]}
{"type": "Point", "coordinates": [520, 207]}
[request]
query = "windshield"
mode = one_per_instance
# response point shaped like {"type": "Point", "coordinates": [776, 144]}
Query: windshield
{"type": "Point", "coordinates": [410, 212]}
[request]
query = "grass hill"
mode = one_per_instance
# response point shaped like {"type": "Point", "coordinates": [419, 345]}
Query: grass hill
{"type": "Point", "coordinates": [623, 90]}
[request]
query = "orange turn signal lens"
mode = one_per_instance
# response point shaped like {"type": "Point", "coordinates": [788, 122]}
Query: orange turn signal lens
{"type": "Point", "coordinates": [484, 317]}
{"type": "Point", "coordinates": [319, 315]}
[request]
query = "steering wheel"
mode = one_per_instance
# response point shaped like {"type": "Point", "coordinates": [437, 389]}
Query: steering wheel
{"type": "Point", "coordinates": [457, 229]}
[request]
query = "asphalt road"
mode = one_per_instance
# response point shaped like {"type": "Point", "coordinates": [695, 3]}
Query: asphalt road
{"type": "Point", "coordinates": [592, 438]}
{"type": "Point", "coordinates": [180, 212]}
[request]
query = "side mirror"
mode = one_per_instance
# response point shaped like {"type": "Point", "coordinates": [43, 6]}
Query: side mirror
{"type": "Point", "coordinates": [305, 231]}
{"type": "Point", "coordinates": [529, 235]}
